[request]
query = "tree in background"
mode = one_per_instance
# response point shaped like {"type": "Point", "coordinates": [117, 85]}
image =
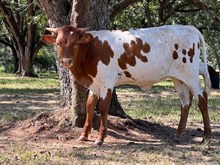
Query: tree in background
{"type": "Point", "coordinates": [20, 33]}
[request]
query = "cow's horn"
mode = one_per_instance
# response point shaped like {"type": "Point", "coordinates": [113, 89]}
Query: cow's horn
{"type": "Point", "coordinates": [54, 30]}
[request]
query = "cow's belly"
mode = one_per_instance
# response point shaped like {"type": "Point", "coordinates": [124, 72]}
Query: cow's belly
{"type": "Point", "coordinates": [143, 76]}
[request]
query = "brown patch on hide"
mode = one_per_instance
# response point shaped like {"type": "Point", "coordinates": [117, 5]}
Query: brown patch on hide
{"type": "Point", "coordinates": [133, 50]}
{"type": "Point", "coordinates": [184, 51]}
{"type": "Point", "coordinates": [175, 55]}
{"type": "Point", "coordinates": [127, 74]}
{"type": "Point", "coordinates": [184, 59]}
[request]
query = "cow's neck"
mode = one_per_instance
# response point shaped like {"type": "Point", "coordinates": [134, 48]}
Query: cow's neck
{"type": "Point", "coordinates": [83, 67]}
{"type": "Point", "coordinates": [87, 59]}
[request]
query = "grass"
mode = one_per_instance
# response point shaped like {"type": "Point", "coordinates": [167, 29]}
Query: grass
{"type": "Point", "coordinates": [137, 154]}
{"type": "Point", "coordinates": [24, 154]}
{"type": "Point", "coordinates": [8, 116]}
{"type": "Point", "coordinates": [9, 84]}
{"type": "Point", "coordinates": [14, 87]}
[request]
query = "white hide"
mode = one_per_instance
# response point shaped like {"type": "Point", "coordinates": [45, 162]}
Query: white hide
{"type": "Point", "coordinates": [160, 63]}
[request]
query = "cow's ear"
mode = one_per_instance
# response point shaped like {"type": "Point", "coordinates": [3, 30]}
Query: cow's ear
{"type": "Point", "coordinates": [48, 39]}
{"type": "Point", "coordinates": [85, 38]}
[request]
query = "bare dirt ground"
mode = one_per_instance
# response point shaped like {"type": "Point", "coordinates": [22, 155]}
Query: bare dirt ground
{"type": "Point", "coordinates": [49, 139]}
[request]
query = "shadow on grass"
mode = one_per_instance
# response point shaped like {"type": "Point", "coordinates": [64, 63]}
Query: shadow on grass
{"type": "Point", "coordinates": [21, 104]}
{"type": "Point", "coordinates": [159, 148]}
{"type": "Point", "coordinates": [138, 89]}
{"type": "Point", "coordinates": [7, 91]}
{"type": "Point", "coordinates": [163, 133]}
{"type": "Point", "coordinates": [166, 133]}
{"type": "Point", "coordinates": [145, 153]}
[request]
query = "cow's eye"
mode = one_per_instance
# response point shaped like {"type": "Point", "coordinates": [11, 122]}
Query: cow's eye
{"type": "Point", "coordinates": [57, 44]}
{"type": "Point", "coordinates": [71, 33]}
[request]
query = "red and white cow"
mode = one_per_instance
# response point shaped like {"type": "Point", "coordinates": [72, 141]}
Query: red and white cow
{"type": "Point", "coordinates": [100, 60]}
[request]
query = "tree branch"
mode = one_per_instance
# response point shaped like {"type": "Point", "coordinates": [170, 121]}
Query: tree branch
{"type": "Point", "coordinates": [9, 18]}
{"type": "Point", "coordinates": [203, 6]}
{"type": "Point", "coordinates": [30, 29]}
{"type": "Point", "coordinates": [117, 8]}
{"type": "Point", "coordinates": [5, 42]}
{"type": "Point", "coordinates": [177, 8]}
{"type": "Point", "coordinates": [55, 8]}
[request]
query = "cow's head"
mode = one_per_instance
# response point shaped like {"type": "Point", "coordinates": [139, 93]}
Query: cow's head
{"type": "Point", "coordinates": [68, 39]}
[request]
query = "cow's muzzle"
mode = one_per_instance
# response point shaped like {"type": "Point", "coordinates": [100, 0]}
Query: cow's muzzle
{"type": "Point", "coordinates": [67, 62]}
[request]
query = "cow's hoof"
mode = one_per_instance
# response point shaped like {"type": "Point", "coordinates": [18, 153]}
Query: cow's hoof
{"type": "Point", "coordinates": [206, 141]}
{"type": "Point", "coordinates": [82, 138]}
{"type": "Point", "coordinates": [98, 143]}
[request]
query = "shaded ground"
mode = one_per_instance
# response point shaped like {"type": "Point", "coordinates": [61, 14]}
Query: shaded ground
{"type": "Point", "coordinates": [44, 140]}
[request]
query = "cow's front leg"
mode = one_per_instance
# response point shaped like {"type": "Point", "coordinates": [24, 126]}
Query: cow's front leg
{"type": "Point", "coordinates": [103, 108]}
{"type": "Point", "coordinates": [90, 105]}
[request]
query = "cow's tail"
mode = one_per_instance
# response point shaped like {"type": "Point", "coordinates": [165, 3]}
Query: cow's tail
{"type": "Point", "coordinates": [203, 67]}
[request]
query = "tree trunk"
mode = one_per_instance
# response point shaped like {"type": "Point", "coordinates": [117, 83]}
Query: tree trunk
{"type": "Point", "coordinates": [93, 14]}
{"type": "Point", "coordinates": [58, 14]}
{"type": "Point", "coordinates": [27, 66]}
{"type": "Point", "coordinates": [217, 56]}
{"type": "Point", "coordinates": [16, 61]}
{"type": "Point", "coordinates": [29, 47]}
{"type": "Point", "coordinates": [115, 107]}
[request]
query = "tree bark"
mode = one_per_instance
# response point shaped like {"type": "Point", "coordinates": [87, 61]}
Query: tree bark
{"type": "Point", "coordinates": [217, 56]}
{"type": "Point", "coordinates": [58, 14]}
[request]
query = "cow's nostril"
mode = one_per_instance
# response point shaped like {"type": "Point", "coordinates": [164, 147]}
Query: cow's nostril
{"type": "Point", "coordinates": [66, 61]}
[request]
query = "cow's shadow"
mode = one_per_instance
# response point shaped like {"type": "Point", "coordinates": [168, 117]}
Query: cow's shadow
{"type": "Point", "coordinates": [120, 128]}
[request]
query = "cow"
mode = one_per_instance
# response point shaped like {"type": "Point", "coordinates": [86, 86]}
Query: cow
{"type": "Point", "coordinates": [214, 77]}
{"type": "Point", "coordinates": [101, 60]}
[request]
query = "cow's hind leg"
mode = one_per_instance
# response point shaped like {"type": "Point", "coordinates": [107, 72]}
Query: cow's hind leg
{"type": "Point", "coordinates": [90, 105]}
{"type": "Point", "coordinates": [201, 95]}
{"type": "Point", "coordinates": [195, 88]}
{"type": "Point", "coordinates": [185, 99]}
{"type": "Point", "coordinates": [203, 106]}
